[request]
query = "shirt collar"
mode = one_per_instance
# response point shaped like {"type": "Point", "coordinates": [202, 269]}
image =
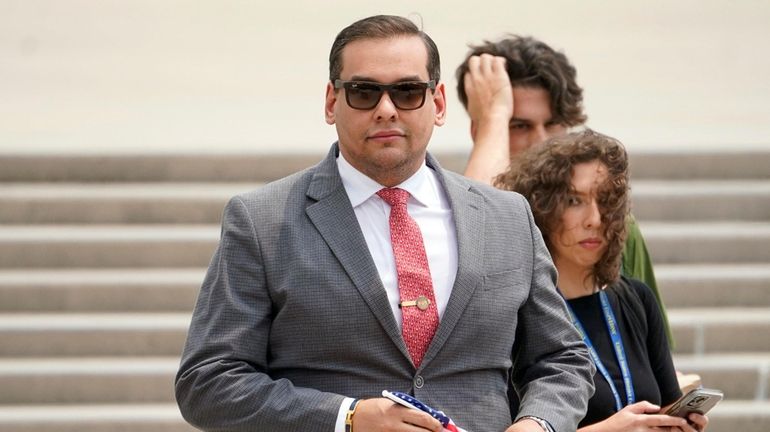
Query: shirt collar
{"type": "Point", "coordinates": [422, 185]}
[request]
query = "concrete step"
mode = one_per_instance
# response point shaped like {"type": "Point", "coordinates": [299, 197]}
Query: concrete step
{"type": "Point", "coordinates": [701, 165]}
{"type": "Point", "coordinates": [261, 167]}
{"type": "Point", "coordinates": [728, 416]}
{"type": "Point", "coordinates": [152, 168]}
{"type": "Point", "coordinates": [94, 335]}
{"type": "Point", "coordinates": [697, 331]}
{"type": "Point", "coordinates": [175, 289]}
{"type": "Point", "coordinates": [116, 203]}
{"type": "Point", "coordinates": [88, 381]}
{"type": "Point", "coordinates": [120, 246]}
{"type": "Point", "coordinates": [150, 379]}
{"type": "Point", "coordinates": [84, 380]}
{"type": "Point", "coordinates": [718, 285]}
{"type": "Point", "coordinates": [740, 376]}
{"type": "Point", "coordinates": [701, 200]}
{"type": "Point", "coordinates": [197, 203]}
{"type": "Point", "coordinates": [701, 242]}
{"type": "Point", "coordinates": [159, 417]}
{"type": "Point", "coordinates": [720, 330]}
{"type": "Point", "coordinates": [117, 246]}
{"type": "Point", "coordinates": [100, 290]}
{"type": "Point", "coordinates": [743, 416]}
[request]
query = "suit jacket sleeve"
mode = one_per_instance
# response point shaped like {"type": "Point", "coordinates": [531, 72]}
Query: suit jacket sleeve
{"type": "Point", "coordinates": [222, 384]}
{"type": "Point", "coordinates": [552, 368]}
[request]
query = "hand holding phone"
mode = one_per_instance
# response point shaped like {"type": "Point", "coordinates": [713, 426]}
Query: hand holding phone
{"type": "Point", "coordinates": [699, 400]}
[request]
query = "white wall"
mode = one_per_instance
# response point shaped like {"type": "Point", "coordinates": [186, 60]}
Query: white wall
{"type": "Point", "coordinates": [229, 76]}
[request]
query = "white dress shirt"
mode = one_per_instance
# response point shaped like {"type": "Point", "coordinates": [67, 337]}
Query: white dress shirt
{"type": "Point", "coordinates": [429, 207]}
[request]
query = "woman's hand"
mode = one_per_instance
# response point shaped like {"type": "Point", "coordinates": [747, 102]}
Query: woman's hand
{"type": "Point", "coordinates": [697, 423]}
{"type": "Point", "coordinates": [639, 417]}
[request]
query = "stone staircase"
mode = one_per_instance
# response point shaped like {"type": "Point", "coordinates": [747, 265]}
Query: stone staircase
{"type": "Point", "coordinates": [706, 218]}
{"type": "Point", "coordinates": [101, 259]}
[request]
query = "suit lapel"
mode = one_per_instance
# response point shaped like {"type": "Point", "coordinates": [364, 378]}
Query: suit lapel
{"type": "Point", "coordinates": [335, 220]}
{"type": "Point", "coordinates": [468, 213]}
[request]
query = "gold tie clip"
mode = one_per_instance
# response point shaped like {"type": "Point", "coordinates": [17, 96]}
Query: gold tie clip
{"type": "Point", "coordinates": [422, 303]}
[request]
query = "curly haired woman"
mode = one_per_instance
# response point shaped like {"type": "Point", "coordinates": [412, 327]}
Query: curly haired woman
{"type": "Point", "coordinates": [577, 186]}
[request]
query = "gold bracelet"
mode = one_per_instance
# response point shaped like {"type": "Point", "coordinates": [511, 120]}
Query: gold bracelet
{"type": "Point", "coordinates": [349, 415]}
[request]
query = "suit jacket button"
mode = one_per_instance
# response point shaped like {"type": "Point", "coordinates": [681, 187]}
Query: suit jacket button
{"type": "Point", "coordinates": [419, 381]}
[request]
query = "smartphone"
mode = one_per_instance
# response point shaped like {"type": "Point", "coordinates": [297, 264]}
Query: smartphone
{"type": "Point", "coordinates": [699, 400]}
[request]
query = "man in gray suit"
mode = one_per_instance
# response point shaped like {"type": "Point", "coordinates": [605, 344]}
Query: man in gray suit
{"type": "Point", "coordinates": [298, 325]}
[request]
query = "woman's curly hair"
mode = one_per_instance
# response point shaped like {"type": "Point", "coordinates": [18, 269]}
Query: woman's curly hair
{"type": "Point", "coordinates": [543, 174]}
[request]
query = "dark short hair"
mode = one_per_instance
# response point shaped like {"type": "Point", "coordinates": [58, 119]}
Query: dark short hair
{"type": "Point", "coordinates": [543, 174]}
{"type": "Point", "coordinates": [532, 63]}
{"type": "Point", "coordinates": [382, 27]}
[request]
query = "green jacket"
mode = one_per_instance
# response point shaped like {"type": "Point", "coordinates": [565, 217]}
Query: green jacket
{"type": "Point", "coordinates": [638, 265]}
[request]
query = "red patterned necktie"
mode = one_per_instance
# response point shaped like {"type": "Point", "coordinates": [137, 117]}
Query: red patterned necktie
{"type": "Point", "coordinates": [419, 315]}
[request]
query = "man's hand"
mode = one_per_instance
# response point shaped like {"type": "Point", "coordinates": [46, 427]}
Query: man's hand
{"type": "Point", "coordinates": [488, 88]}
{"type": "Point", "coordinates": [490, 106]}
{"type": "Point", "coordinates": [380, 414]}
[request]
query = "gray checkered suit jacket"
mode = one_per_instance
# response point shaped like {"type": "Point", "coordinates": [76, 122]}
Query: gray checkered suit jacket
{"type": "Point", "coordinates": [292, 317]}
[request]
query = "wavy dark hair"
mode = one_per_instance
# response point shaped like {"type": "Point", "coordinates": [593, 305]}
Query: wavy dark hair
{"type": "Point", "coordinates": [532, 63]}
{"type": "Point", "coordinates": [382, 27]}
{"type": "Point", "coordinates": [543, 174]}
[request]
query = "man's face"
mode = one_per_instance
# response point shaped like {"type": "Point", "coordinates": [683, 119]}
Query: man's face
{"type": "Point", "coordinates": [532, 121]}
{"type": "Point", "coordinates": [385, 143]}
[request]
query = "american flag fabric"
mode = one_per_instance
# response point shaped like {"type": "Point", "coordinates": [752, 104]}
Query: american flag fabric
{"type": "Point", "coordinates": [414, 403]}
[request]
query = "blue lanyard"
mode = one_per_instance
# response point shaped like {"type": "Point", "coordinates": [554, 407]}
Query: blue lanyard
{"type": "Point", "coordinates": [617, 345]}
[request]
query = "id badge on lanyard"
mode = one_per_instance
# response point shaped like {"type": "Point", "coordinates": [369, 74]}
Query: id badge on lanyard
{"type": "Point", "coordinates": [617, 345]}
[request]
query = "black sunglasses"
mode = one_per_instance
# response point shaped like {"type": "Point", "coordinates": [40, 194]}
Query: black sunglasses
{"type": "Point", "coordinates": [365, 95]}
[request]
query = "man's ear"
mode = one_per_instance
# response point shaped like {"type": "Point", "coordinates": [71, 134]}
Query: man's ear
{"type": "Point", "coordinates": [331, 100]}
{"type": "Point", "coordinates": [439, 101]}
